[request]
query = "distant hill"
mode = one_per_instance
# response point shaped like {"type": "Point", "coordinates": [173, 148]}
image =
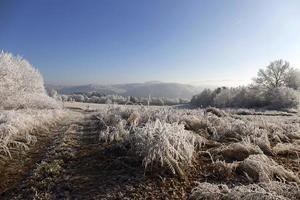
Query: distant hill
{"type": "Point", "coordinates": [155, 89]}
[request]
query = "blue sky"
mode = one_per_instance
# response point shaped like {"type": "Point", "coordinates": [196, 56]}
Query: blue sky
{"type": "Point", "coordinates": [118, 41]}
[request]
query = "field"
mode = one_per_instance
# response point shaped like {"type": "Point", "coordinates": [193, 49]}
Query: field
{"type": "Point", "coordinates": [154, 100]}
{"type": "Point", "coordinates": [99, 151]}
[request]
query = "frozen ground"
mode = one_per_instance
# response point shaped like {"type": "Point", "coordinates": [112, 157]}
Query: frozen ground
{"type": "Point", "coordinates": [136, 152]}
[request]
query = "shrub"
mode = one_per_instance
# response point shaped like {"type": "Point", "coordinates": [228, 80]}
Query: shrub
{"type": "Point", "coordinates": [282, 98]}
{"type": "Point", "coordinates": [204, 99]}
{"type": "Point", "coordinates": [21, 85]}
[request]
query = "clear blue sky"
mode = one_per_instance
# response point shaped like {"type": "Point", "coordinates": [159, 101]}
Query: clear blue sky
{"type": "Point", "coordinates": [117, 41]}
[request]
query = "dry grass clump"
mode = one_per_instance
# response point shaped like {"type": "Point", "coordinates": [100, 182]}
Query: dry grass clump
{"type": "Point", "coordinates": [156, 136]}
{"type": "Point", "coordinates": [112, 128]}
{"type": "Point", "coordinates": [17, 127]}
{"type": "Point", "coordinates": [279, 130]}
{"type": "Point", "coordinates": [265, 191]}
{"type": "Point", "coordinates": [256, 129]}
{"type": "Point", "coordinates": [165, 144]}
{"type": "Point", "coordinates": [290, 191]}
{"type": "Point", "coordinates": [215, 111]}
{"type": "Point", "coordinates": [262, 141]}
{"type": "Point", "coordinates": [287, 149]}
{"type": "Point", "coordinates": [211, 126]}
{"type": "Point", "coordinates": [222, 170]}
{"type": "Point", "coordinates": [196, 124]}
{"type": "Point", "coordinates": [253, 192]}
{"type": "Point", "coordinates": [237, 151]}
{"type": "Point", "coordinates": [208, 191]}
{"type": "Point", "coordinates": [264, 169]}
{"type": "Point", "coordinates": [228, 129]}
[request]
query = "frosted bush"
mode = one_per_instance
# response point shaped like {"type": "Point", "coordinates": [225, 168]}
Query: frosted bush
{"type": "Point", "coordinates": [22, 94]}
{"type": "Point", "coordinates": [21, 85]}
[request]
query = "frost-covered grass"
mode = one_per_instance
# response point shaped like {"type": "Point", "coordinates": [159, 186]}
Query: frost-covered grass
{"type": "Point", "coordinates": [17, 127]}
{"type": "Point", "coordinates": [238, 145]}
{"type": "Point", "coordinates": [265, 191]}
{"type": "Point", "coordinates": [168, 144]}
{"type": "Point", "coordinates": [155, 135]}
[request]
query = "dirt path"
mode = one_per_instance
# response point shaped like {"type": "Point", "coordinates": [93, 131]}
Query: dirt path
{"type": "Point", "coordinates": [74, 165]}
{"type": "Point", "coordinates": [13, 170]}
{"type": "Point", "coordinates": [70, 162]}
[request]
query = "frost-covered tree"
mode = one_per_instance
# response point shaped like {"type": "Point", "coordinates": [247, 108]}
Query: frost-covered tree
{"type": "Point", "coordinates": [277, 74]}
{"type": "Point", "coordinates": [21, 85]}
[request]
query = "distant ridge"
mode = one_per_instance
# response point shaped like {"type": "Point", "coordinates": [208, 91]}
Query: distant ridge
{"type": "Point", "coordinates": [153, 88]}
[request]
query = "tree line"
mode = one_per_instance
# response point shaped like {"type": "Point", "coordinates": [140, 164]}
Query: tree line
{"type": "Point", "coordinates": [275, 87]}
{"type": "Point", "coordinates": [95, 97]}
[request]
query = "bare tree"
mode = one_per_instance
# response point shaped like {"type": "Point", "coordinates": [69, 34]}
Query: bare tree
{"type": "Point", "coordinates": [277, 74]}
